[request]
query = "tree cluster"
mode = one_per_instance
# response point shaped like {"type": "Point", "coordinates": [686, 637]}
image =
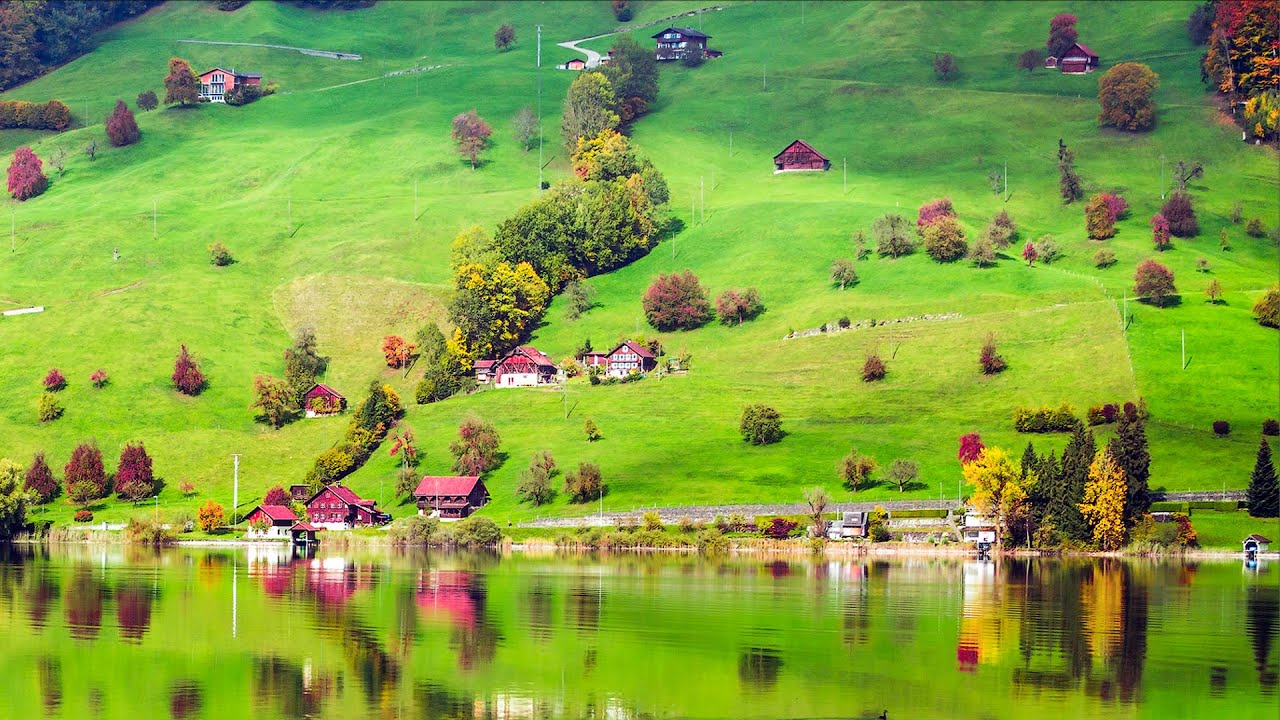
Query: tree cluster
{"type": "Point", "coordinates": [20, 114]}
{"type": "Point", "coordinates": [1240, 57]}
{"type": "Point", "coordinates": [39, 36]}
{"type": "Point", "coordinates": [370, 422]}
{"type": "Point", "coordinates": [676, 302]}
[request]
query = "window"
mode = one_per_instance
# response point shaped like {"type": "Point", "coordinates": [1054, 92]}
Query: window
{"type": "Point", "coordinates": [218, 77]}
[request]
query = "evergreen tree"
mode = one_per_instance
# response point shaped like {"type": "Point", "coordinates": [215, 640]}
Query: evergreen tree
{"type": "Point", "coordinates": [1129, 448]}
{"type": "Point", "coordinates": [302, 364]}
{"type": "Point", "coordinates": [1264, 493]}
{"type": "Point", "coordinates": [1064, 503]}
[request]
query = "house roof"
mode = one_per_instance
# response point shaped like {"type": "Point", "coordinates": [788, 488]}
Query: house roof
{"type": "Point", "coordinates": [534, 354]}
{"type": "Point", "coordinates": [305, 527]}
{"type": "Point", "coordinates": [1258, 538]}
{"type": "Point", "coordinates": [634, 347]}
{"type": "Point", "coordinates": [230, 72]}
{"type": "Point", "coordinates": [326, 390]}
{"type": "Point", "coordinates": [1083, 48]}
{"type": "Point", "coordinates": [446, 485]}
{"type": "Point", "coordinates": [687, 32]}
{"type": "Point", "coordinates": [277, 512]}
{"type": "Point", "coordinates": [344, 494]}
{"type": "Point", "coordinates": [799, 145]}
{"type": "Point", "coordinates": [486, 364]}
{"type": "Point", "coordinates": [856, 519]}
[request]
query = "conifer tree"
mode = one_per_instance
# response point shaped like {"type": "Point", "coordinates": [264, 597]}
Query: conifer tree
{"type": "Point", "coordinates": [1264, 493]}
{"type": "Point", "coordinates": [1129, 448]}
{"type": "Point", "coordinates": [1064, 503]}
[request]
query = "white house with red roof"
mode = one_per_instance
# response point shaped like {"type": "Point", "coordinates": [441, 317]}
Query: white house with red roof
{"type": "Point", "coordinates": [336, 507]}
{"type": "Point", "coordinates": [450, 496]}
{"type": "Point", "coordinates": [215, 83]}
{"type": "Point", "coordinates": [278, 520]}
{"type": "Point", "coordinates": [629, 357]}
{"type": "Point", "coordinates": [526, 366]}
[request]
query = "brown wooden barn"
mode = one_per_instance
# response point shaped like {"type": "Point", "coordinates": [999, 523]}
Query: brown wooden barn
{"type": "Point", "coordinates": [800, 155]}
{"type": "Point", "coordinates": [1078, 60]}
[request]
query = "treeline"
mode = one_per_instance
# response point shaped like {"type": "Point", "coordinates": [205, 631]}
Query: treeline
{"type": "Point", "coordinates": [37, 36]}
{"type": "Point", "coordinates": [1240, 58]}
{"type": "Point", "coordinates": [52, 115]}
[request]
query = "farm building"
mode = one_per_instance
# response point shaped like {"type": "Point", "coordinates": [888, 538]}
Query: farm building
{"type": "Point", "coordinates": [629, 357]}
{"type": "Point", "coordinates": [450, 496]}
{"type": "Point", "coordinates": [800, 155]}
{"type": "Point", "coordinates": [323, 400]}
{"type": "Point", "coordinates": [1255, 544]}
{"type": "Point", "coordinates": [850, 525]}
{"type": "Point", "coordinates": [217, 82]}
{"type": "Point", "coordinates": [304, 533]}
{"type": "Point", "coordinates": [278, 519]}
{"type": "Point", "coordinates": [300, 492]}
{"type": "Point", "coordinates": [674, 43]}
{"type": "Point", "coordinates": [595, 358]}
{"type": "Point", "coordinates": [336, 507]}
{"type": "Point", "coordinates": [523, 367]}
{"type": "Point", "coordinates": [484, 370]}
{"type": "Point", "coordinates": [1077, 60]}
{"type": "Point", "coordinates": [575, 64]}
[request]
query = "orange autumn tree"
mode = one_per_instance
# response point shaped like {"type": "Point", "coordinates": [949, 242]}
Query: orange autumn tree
{"type": "Point", "coordinates": [397, 351]}
{"type": "Point", "coordinates": [1104, 497]}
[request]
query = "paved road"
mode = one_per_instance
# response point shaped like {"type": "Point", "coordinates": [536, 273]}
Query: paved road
{"type": "Point", "coordinates": [593, 57]}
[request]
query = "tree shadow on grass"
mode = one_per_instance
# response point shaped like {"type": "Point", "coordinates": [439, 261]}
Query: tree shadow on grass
{"type": "Point", "coordinates": [1170, 301]}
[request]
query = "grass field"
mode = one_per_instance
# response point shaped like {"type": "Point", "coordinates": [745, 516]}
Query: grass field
{"type": "Point", "coordinates": [313, 190]}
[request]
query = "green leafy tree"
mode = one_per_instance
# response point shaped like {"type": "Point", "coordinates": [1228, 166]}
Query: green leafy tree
{"type": "Point", "coordinates": [303, 365]}
{"type": "Point", "coordinates": [496, 307]}
{"type": "Point", "coordinates": [275, 400]}
{"type": "Point", "coordinates": [760, 424]}
{"type": "Point", "coordinates": [585, 483]}
{"type": "Point", "coordinates": [14, 500]}
{"type": "Point", "coordinates": [633, 75]}
{"type": "Point", "coordinates": [1264, 492]}
{"type": "Point", "coordinates": [590, 430]}
{"type": "Point", "coordinates": [534, 483]}
{"type": "Point", "coordinates": [1070, 186]}
{"type": "Point", "coordinates": [903, 472]}
{"type": "Point", "coordinates": [580, 297]}
{"type": "Point", "coordinates": [843, 272]}
{"type": "Point", "coordinates": [893, 235]}
{"type": "Point", "coordinates": [588, 109]}
{"type": "Point", "coordinates": [431, 344]}
{"type": "Point", "coordinates": [1267, 310]}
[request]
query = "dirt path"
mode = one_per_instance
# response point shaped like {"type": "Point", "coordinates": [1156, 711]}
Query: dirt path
{"type": "Point", "coordinates": [334, 54]}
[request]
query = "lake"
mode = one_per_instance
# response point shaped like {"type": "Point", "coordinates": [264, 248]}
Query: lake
{"type": "Point", "coordinates": [123, 632]}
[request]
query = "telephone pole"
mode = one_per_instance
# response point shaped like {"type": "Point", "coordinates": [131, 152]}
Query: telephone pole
{"type": "Point", "coordinates": [155, 231]}
{"type": "Point", "coordinates": [846, 176]}
{"type": "Point", "coordinates": [235, 488]}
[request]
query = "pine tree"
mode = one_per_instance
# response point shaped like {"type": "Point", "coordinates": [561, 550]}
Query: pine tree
{"type": "Point", "coordinates": [1064, 503]}
{"type": "Point", "coordinates": [1129, 447]}
{"type": "Point", "coordinates": [1264, 492]}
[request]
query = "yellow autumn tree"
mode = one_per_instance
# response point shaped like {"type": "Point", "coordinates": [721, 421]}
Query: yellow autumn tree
{"type": "Point", "coordinates": [1104, 495]}
{"type": "Point", "coordinates": [1000, 491]}
{"type": "Point", "coordinates": [495, 307]}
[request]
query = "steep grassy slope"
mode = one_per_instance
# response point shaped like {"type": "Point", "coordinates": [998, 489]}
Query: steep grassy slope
{"type": "Point", "coordinates": [313, 191]}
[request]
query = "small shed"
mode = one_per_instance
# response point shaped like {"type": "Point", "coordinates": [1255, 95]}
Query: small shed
{"type": "Point", "coordinates": [1255, 544]}
{"type": "Point", "coordinates": [1078, 60]}
{"type": "Point", "coordinates": [303, 533]}
{"type": "Point", "coordinates": [850, 525]}
{"type": "Point", "coordinates": [484, 370]}
{"type": "Point", "coordinates": [800, 155]}
{"type": "Point", "coordinates": [300, 492]}
{"type": "Point", "coordinates": [576, 64]}
{"type": "Point", "coordinates": [1051, 63]}
{"type": "Point", "coordinates": [323, 400]}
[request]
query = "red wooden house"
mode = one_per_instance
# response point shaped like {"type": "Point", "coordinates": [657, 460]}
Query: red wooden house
{"type": "Point", "coordinates": [323, 400]}
{"type": "Point", "coordinates": [800, 155]}
{"type": "Point", "coordinates": [524, 367]}
{"type": "Point", "coordinates": [1078, 60]}
{"type": "Point", "coordinates": [336, 507]}
{"type": "Point", "coordinates": [629, 357]}
{"type": "Point", "coordinates": [278, 518]}
{"type": "Point", "coordinates": [450, 496]}
{"type": "Point", "coordinates": [217, 82]}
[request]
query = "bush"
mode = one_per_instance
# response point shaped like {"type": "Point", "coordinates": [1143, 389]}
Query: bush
{"type": "Point", "coordinates": [415, 530]}
{"type": "Point", "coordinates": [54, 380]}
{"type": "Point", "coordinates": [26, 176]}
{"type": "Point", "coordinates": [652, 521]}
{"type": "Point", "coordinates": [779, 528]}
{"type": "Point", "coordinates": [1170, 506]}
{"type": "Point", "coordinates": [1271, 427]}
{"type": "Point", "coordinates": [1154, 282]}
{"type": "Point", "coordinates": [944, 239]}
{"type": "Point", "coordinates": [187, 377]}
{"type": "Point", "coordinates": [48, 408]}
{"type": "Point", "coordinates": [141, 531]}
{"type": "Point", "coordinates": [931, 212]}
{"type": "Point", "coordinates": [920, 513]}
{"type": "Point", "coordinates": [477, 531]}
{"type": "Point", "coordinates": [712, 542]}
{"type": "Point", "coordinates": [147, 100]}
{"type": "Point", "coordinates": [243, 94]}
{"type": "Point", "coordinates": [843, 323]}
{"type": "Point", "coordinates": [990, 361]}
{"type": "Point", "coordinates": [1215, 505]}
{"type": "Point", "coordinates": [219, 255]}
{"type": "Point", "coordinates": [760, 425]}
{"type": "Point", "coordinates": [1221, 428]}
{"type": "Point", "coordinates": [873, 368]}
{"type": "Point", "coordinates": [693, 59]}
{"type": "Point", "coordinates": [1267, 310]}
{"type": "Point", "coordinates": [1102, 414]}
{"type": "Point", "coordinates": [1104, 258]}
{"type": "Point", "coordinates": [19, 114]}
{"type": "Point", "coordinates": [880, 533]}
{"type": "Point", "coordinates": [83, 516]}
{"type": "Point", "coordinates": [1044, 419]}
{"type": "Point", "coordinates": [211, 516]}
{"type": "Point", "coordinates": [1255, 228]}
{"type": "Point", "coordinates": [590, 429]}
{"type": "Point", "coordinates": [737, 306]}
{"type": "Point", "coordinates": [1177, 210]}
{"type": "Point", "coordinates": [122, 128]}
{"type": "Point", "coordinates": [676, 302]}
{"type": "Point", "coordinates": [99, 378]}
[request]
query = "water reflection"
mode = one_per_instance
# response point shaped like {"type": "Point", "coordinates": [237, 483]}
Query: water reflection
{"type": "Point", "coordinates": [184, 700]}
{"type": "Point", "coordinates": [85, 597]}
{"type": "Point", "coordinates": [1262, 608]}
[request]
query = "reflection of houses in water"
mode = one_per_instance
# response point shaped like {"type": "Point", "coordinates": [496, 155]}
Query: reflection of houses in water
{"type": "Point", "coordinates": [447, 594]}
{"type": "Point", "coordinates": [981, 618]}
{"type": "Point", "coordinates": [272, 565]}
{"type": "Point", "coordinates": [334, 580]}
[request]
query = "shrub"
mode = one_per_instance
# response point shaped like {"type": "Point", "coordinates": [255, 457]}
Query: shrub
{"type": "Point", "coordinates": [945, 67]}
{"type": "Point", "coordinates": [990, 361]}
{"type": "Point", "coordinates": [1271, 427]}
{"type": "Point", "coordinates": [590, 430]}
{"type": "Point", "coordinates": [147, 100]}
{"type": "Point", "coordinates": [585, 483]}
{"type": "Point", "coordinates": [712, 542]}
{"type": "Point", "coordinates": [122, 128]}
{"type": "Point", "coordinates": [944, 239]}
{"type": "Point", "coordinates": [1102, 414]}
{"type": "Point", "coordinates": [142, 531]}
{"type": "Point", "coordinates": [760, 425]}
{"type": "Point", "coordinates": [1126, 94]}
{"type": "Point", "coordinates": [880, 533]}
{"type": "Point", "coordinates": [1221, 428]}
{"type": "Point", "coordinates": [693, 59]}
{"type": "Point", "coordinates": [652, 521]}
{"type": "Point", "coordinates": [1099, 218]}
{"type": "Point", "coordinates": [187, 377]}
{"type": "Point", "coordinates": [843, 323]}
{"type": "Point", "coordinates": [244, 94]}
{"type": "Point", "coordinates": [1255, 228]}
{"type": "Point", "coordinates": [83, 516]}
{"type": "Point", "coordinates": [477, 531]}
{"type": "Point", "coordinates": [1044, 419]}
{"type": "Point", "coordinates": [1202, 264]}
{"type": "Point", "coordinates": [1160, 231]}
{"type": "Point", "coordinates": [779, 528]}
{"type": "Point", "coordinates": [676, 302]}
{"type": "Point", "coordinates": [873, 368]}
{"type": "Point", "coordinates": [1104, 258]}
{"type": "Point", "coordinates": [931, 212]}
{"type": "Point", "coordinates": [737, 306]}
{"type": "Point", "coordinates": [47, 407]}
{"type": "Point", "coordinates": [26, 178]}
{"type": "Point", "coordinates": [187, 489]}
{"type": "Point", "coordinates": [211, 516]}
{"type": "Point", "coordinates": [54, 380]}
{"type": "Point", "coordinates": [99, 378]}
{"type": "Point", "coordinates": [1154, 282]}
{"type": "Point", "coordinates": [1118, 206]}
{"type": "Point", "coordinates": [1181, 215]}
{"type": "Point", "coordinates": [1267, 310]}
{"type": "Point", "coordinates": [219, 255]}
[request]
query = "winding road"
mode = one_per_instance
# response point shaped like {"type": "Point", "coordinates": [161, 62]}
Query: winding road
{"type": "Point", "coordinates": [593, 57]}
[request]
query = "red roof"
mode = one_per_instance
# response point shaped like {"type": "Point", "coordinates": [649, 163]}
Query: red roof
{"type": "Point", "coordinates": [634, 347]}
{"type": "Point", "coordinates": [305, 527]}
{"type": "Point", "coordinates": [446, 485]}
{"type": "Point", "coordinates": [1258, 538]}
{"type": "Point", "coordinates": [535, 355]}
{"type": "Point", "coordinates": [277, 512]}
{"type": "Point", "coordinates": [484, 364]}
{"type": "Point", "coordinates": [1083, 48]}
{"type": "Point", "coordinates": [324, 390]}
{"type": "Point", "coordinates": [801, 146]}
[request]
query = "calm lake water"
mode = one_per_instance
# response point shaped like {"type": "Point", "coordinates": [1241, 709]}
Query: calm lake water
{"type": "Point", "coordinates": [114, 632]}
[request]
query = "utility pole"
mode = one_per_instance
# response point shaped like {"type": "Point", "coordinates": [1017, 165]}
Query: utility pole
{"type": "Point", "coordinates": [235, 487]}
{"type": "Point", "coordinates": [539, 46]}
{"type": "Point", "coordinates": [155, 231]}
{"type": "Point", "coordinates": [1006, 181]}
{"type": "Point", "coordinates": [845, 162]}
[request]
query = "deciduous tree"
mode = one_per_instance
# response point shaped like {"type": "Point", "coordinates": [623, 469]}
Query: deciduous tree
{"type": "Point", "coordinates": [1099, 218]}
{"type": "Point", "coordinates": [1267, 310]}
{"type": "Point", "coordinates": [585, 483]}
{"type": "Point", "coordinates": [855, 469]}
{"type": "Point", "coordinates": [181, 86]}
{"type": "Point", "coordinates": [893, 239]}
{"type": "Point", "coordinates": [1104, 501]}
{"type": "Point", "coordinates": [1160, 232]}
{"type": "Point", "coordinates": [471, 133]}
{"type": "Point", "coordinates": [1126, 93]}
{"type": "Point", "coordinates": [944, 239]}
{"type": "Point", "coordinates": [303, 364]}
{"type": "Point", "coordinates": [903, 472]}
{"type": "Point", "coordinates": [1181, 215]}
{"type": "Point", "coordinates": [40, 481]}
{"type": "Point", "coordinates": [475, 452]}
{"type": "Point", "coordinates": [1062, 34]}
{"type": "Point", "coordinates": [999, 488]}
{"type": "Point", "coordinates": [275, 399]}
{"type": "Point", "coordinates": [396, 351]}
{"type": "Point", "coordinates": [1029, 60]}
{"type": "Point", "coordinates": [590, 429]}
{"type": "Point", "coordinates": [580, 296]}
{"type": "Point", "coordinates": [588, 109]}
{"type": "Point", "coordinates": [84, 474]}
{"type": "Point", "coordinates": [1070, 186]}
{"type": "Point", "coordinates": [1264, 492]}
{"type": "Point", "coordinates": [932, 212]}
{"type": "Point", "coordinates": [504, 37]}
{"type": "Point", "coordinates": [26, 175]}
{"type": "Point", "coordinates": [843, 272]}
{"type": "Point", "coordinates": [277, 496]}
{"type": "Point", "coordinates": [524, 126]}
{"type": "Point", "coordinates": [735, 306]}
{"type": "Point", "coordinates": [534, 483]}
{"type": "Point", "coordinates": [633, 76]}
{"type": "Point", "coordinates": [187, 377]}
{"type": "Point", "coordinates": [945, 67]}
{"type": "Point", "coordinates": [817, 499]}
{"type": "Point", "coordinates": [122, 128]}
{"type": "Point", "coordinates": [676, 302]}
{"type": "Point", "coordinates": [495, 307]}
{"type": "Point", "coordinates": [989, 360]}
{"type": "Point", "coordinates": [971, 448]}
{"type": "Point", "coordinates": [147, 100]}
{"type": "Point", "coordinates": [760, 424]}
{"type": "Point", "coordinates": [1154, 282]}
{"type": "Point", "coordinates": [14, 499]}
{"type": "Point", "coordinates": [1214, 291]}
{"type": "Point", "coordinates": [134, 477]}
{"type": "Point", "coordinates": [211, 516]}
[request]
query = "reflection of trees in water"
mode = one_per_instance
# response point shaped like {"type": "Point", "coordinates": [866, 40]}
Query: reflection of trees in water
{"type": "Point", "coordinates": [477, 642]}
{"type": "Point", "coordinates": [538, 605]}
{"type": "Point", "coordinates": [280, 682]}
{"type": "Point", "coordinates": [758, 668]}
{"type": "Point", "coordinates": [42, 593]}
{"type": "Point", "coordinates": [1134, 611]}
{"type": "Point", "coordinates": [434, 701]}
{"type": "Point", "coordinates": [378, 671]}
{"type": "Point", "coordinates": [856, 615]}
{"type": "Point", "coordinates": [83, 604]}
{"type": "Point", "coordinates": [49, 673]}
{"type": "Point", "coordinates": [584, 605]}
{"type": "Point", "coordinates": [133, 610]}
{"type": "Point", "coordinates": [1262, 606]}
{"type": "Point", "coordinates": [184, 699]}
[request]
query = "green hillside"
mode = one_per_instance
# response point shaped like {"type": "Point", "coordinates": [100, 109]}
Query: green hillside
{"type": "Point", "coordinates": [313, 191]}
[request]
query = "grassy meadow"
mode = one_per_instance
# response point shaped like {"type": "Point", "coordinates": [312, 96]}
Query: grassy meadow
{"type": "Point", "coordinates": [313, 191]}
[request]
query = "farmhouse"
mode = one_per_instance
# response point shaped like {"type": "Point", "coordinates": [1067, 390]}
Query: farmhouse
{"type": "Point", "coordinates": [674, 43]}
{"type": "Point", "coordinates": [629, 357]}
{"type": "Point", "coordinates": [450, 496]}
{"type": "Point", "coordinates": [484, 370]}
{"type": "Point", "coordinates": [523, 367]}
{"type": "Point", "coordinates": [595, 358]}
{"type": "Point", "coordinates": [850, 525]}
{"type": "Point", "coordinates": [799, 155]}
{"type": "Point", "coordinates": [323, 400]}
{"type": "Point", "coordinates": [278, 518]}
{"type": "Point", "coordinates": [217, 82]}
{"type": "Point", "coordinates": [1077, 60]}
{"type": "Point", "coordinates": [336, 507]}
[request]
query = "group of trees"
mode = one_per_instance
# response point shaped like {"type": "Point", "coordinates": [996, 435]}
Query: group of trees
{"type": "Point", "coordinates": [280, 401]}
{"type": "Point", "coordinates": [85, 478]}
{"type": "Point", "coordinates": [371, 420]}
{"type": "Point", "coordinates": [613, 95]}
{"type": "Point", "coordinates": [19, 114]}
{"type": "Point", "coordinates": [1240, 59]}
{"type": "Point", "coordinates": [940, 231]}
{"type": "Point", "coordinates": [678, 302]}
{"type": "Point", "coordinates": [41, 35]}
{"type": "Point", "coordinates": [582, 484]}
{"type": "Point", "coordinates": [855, 471]}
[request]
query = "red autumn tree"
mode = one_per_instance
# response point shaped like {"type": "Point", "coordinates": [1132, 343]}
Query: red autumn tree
{"type": "Point", "coordinates": [99, 378]}
{"type": "Point", "coordinates": [1029, 253]}
{"type": "Point", "coordinates": [134, 478]}
{"type": "Point", "coordinates": [122, 128]}
{"type": "Point", "coordinates": [971, 448]}
{"type": "Point", "coordinates": [737, 306]}
{"type": "Point", "coordinates": [932, 211]}
{"type": "Point", "coordinates": [40, 480]}
{"type": "Point", "coordinates": [187, 377]}
{"type": "Point", "coordinates": [471, 133]}
{"type": "Point", "coordinates": [181, 86]}
{"type": "Point", "coordinates": [1181, 215]}
{"type": "Point", "coordinates": [676, 302]}
{"type": "Point", "coordinates": [277, 496]}
{"type": "Point", "coordinates": [476, 449]}
{"type": "Point", "coordinates": [1062, 34]}
{"type": "Point", "coordinates": [1118, 205]}
{"type": "Point", "coordinates": [1154, 282]}
{"type": "Point", "coordinates": [26, 176]}
{"type": "Point", "coordinates": [1160, 231]}
{"type": "Point", "coordinates": [57, 116]}
{"type": "Point", "coordinates": [84, 475]}
{"type": "Point", "coordinates": [54, 380]}
{"type": "Point", "coordinates": [396, 351]}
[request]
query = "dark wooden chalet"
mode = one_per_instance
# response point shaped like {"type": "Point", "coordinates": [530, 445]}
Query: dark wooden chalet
{"type": "Point", "coordinates": [525, 366]}
{"type": "Point", "coordinates": [301, 492]}
{"type": "Point", "coordinates": [800, 155]}
{"type": "Point", "coordinates": [674, 43]}
{"type": "Point", "coordinates": [629, 357]}
{"type": "Point", "coordinates": [1078, 60]}
{"type": "Point", "coordinates": [451, 496]}
{"type": "Point", "coordinates": [336, 507]}
{"type": "Point", "coordinates": [323, 400]}
{"type": "Point", "coordinates": [278, 518]}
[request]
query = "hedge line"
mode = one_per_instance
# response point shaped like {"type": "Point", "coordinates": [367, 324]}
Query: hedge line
{"type": "Point", "coordinates": [52, 115]}
{"type": "Point", "coordinates": [919, 513]}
